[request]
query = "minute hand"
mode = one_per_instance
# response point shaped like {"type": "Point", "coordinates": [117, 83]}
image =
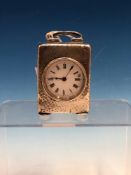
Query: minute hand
{"type": "Point", "coordinates": [69, 71]}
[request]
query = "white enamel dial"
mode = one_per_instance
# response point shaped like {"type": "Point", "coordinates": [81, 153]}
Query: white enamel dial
{"type": "Point", "coordinates": [64, 78]}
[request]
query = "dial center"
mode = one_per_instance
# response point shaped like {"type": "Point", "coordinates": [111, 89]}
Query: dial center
{"type": "Point", "coordinates": [64, 78]}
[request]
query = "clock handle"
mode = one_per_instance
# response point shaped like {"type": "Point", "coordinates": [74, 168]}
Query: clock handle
{"type": "Point", "coordinates": [54, 36]}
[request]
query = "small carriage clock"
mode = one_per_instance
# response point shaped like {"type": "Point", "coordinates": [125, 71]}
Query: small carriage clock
{"type": "Point", "coordinates": [64, 74]}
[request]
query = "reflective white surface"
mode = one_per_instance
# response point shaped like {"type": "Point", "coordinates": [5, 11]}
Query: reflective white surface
{"type": "Point", "coordinates": [102, 113]}
{"type": "Point", "coordinates": [101, 147]}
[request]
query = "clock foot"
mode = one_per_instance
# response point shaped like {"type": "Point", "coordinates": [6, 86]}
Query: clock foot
{"type": "Point", "coordinates": [82, 113]}
{"type": "Point", "coordinates": [41, 113]}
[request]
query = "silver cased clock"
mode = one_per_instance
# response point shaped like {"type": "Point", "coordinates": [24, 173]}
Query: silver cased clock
{"type": "Point", "coordinates": [63, 74]}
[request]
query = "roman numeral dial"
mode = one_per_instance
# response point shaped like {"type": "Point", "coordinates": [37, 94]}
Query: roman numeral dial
{"type": "Point", "coordinates": [64, 78]}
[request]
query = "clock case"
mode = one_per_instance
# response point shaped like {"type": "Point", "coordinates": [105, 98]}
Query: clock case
{"type": "Point", "coordinates": [53, 49]}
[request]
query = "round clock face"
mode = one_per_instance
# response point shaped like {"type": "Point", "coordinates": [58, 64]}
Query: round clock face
{"type": "Point", "coordinates": [64, 78]}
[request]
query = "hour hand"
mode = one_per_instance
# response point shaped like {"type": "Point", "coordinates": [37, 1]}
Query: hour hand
{"type": "Point", "coordinates": [57, 78]}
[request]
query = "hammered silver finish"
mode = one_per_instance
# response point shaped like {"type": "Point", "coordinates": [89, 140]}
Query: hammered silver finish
{"type": "Point", "coordinates": [50, 51]}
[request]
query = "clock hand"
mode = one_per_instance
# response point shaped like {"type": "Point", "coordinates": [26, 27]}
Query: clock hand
{"type": "Point", "coordinates": [62, 78]}
{"type": "Point", "coordinates": [57, 78]}
{"type": "Point", "coordinates": [69, 71]}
